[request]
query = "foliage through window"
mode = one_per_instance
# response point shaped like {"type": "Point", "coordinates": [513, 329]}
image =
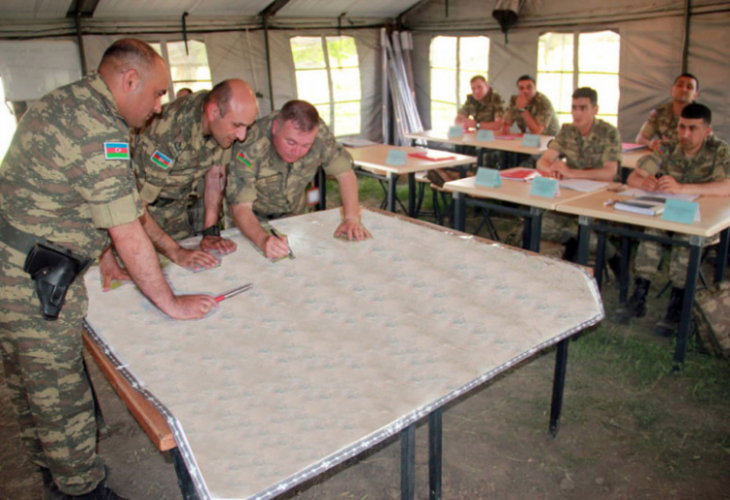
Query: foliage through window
{"type": "Point", "coordinates": [328, 76]}
{"type": "Point", "coordinates": [566, 61]}
{"type": "Point", "coordinates": [454, 61]}
{"type": "Point", "coordinates": [189, 70]}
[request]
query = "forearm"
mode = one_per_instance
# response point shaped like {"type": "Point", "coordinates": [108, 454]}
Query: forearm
{"type": "Point", "coordinates": [159, 238]}
{"type": "Point", "coordinates": [532, 125]}
{"type": "Point", "coordinates": [642, 139]}
{"type": "Point", "coordinates": [212, 196]}
{"type": "Point", "coordinates": [495, 125]}
{"type": "Point", "coordinates": [716, 188]}
{"type": "Point", "coordinates": [606, 173]}
{"type": "Point", "coordinates": [349, 194]}
{"type": "Point", "coordinates": [249, 224]}
{"type": "Point", "coordinates": [636, 178]}
{"type": "Point", "coordinates": [546, 160]}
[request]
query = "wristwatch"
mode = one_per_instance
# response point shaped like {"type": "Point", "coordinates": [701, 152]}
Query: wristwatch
{"type": "Point", "coordinates": [478, 125]}
{"type": "Point", "coordinates": [521, 110]}
{"type": "Point", "coordinates": [212, 231]}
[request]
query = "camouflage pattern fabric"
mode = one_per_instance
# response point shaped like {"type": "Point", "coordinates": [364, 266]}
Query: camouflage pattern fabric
{"type": "Point", "coordinates": [559, 228]}
{"type": "Point", "coordinates": [601, 145]}
{"type": "Point", "coordinates": [662, 123]}
{"type": "Point", "coordinates": [59, 181]}
{"type": "Point", "coordinates": [487, 110]}
{"type": "Point", "coordinates": [258, 175]}
{"type": "Point", "coordinates": [541, 110]}
{"type": "Point", "coordinates": [712, 318]}
{"type": "Point", "coordinates": [175, 135]}
{"type": "Point", "coordinates": [712, 163]}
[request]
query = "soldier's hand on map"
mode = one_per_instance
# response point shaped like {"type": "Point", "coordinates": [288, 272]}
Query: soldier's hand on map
{"type": "Point", "coordinates": [217, 244]}
{"type": "Point", "coordinates": [191, 306]}
{"type": "Point", "coordinates": [353, 230]}
{"type": "Point", "coordinates": [193, 259]}
{"type": "Point", "coordinates": [668, 184]}
{"type": "Point", "coordinates": [111, 270]}
{"type": "Point", "coordinates": [276, 247]}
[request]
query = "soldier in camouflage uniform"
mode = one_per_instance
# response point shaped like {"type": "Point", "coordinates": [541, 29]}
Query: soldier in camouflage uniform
{"type": "Point", "coordinates": [483, 107]}
{"type": "Point", "coordinates": [697, 163]}
{"type": "Point", "coordinates": [532, 111]}
{"type": "Point", "coordinates": [269, 174]}
{"type": "Point", "coordinates": [588, 148]}
{"type": "Point", "coordinates": [67, 178]}
{"type": "Point", "coordinates": [192, 136]}
{"type": "Point", "coordinates": [661, 127]}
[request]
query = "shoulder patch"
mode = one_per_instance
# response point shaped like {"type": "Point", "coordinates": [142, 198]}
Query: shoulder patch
{"type": "Point", "coordinates": [161, 160]}
{"type": "Point", "coordinates": [241, 156]}
{"type": "Point", "coordinates": [116, 150]}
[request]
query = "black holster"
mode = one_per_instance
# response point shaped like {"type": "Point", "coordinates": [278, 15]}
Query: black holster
{"type": "Point", "coordinates": [54, 269]}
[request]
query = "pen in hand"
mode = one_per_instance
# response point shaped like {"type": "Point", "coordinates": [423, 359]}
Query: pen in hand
{"type": "Point", "coordinates": [275, 233]}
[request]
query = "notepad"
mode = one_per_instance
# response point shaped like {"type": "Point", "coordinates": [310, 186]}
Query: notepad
{"type": "Point", "coordinates": [519, 174]}
{"type": "Point", "coordinates": [583, 185]}
{"type": "Point", "coordinates": [630, 146]}
{"type": "Point", "coordinates": [643, 205]}
{"type": "Point", "coordinates": [432, 155]}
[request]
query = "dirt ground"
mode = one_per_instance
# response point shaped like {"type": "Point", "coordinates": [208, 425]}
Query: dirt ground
{"type": "Point", "coordinates": [630, 429]}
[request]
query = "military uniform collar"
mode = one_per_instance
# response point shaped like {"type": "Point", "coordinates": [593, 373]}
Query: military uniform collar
{"type": "Point", "coordinates": [196, 130]}
{"type": "Point", "coordinates": [97, 83]}
{"type": "Point", "coordinates": [594, 130]}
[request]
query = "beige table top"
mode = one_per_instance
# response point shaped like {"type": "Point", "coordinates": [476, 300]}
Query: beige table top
{"type": "Point", "coordinates": [513, 191]}
{"type": "Point", "coordinates": [469, 139]}
{"type": "Point", "coordinates": [373, 158]}
{"type": "Point", "coordinates": [714, 213]}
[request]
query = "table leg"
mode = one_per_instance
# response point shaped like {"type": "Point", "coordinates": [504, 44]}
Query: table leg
{"type": "Point", "coordinates": [459, 211]}
{"type": "Point", "coordinates": [722, 249]}
{"type": "Point", "coordinates": [184, 481]}
{"type": "Point", "coordinates": [434, 454]}
{"type": "Point", "coordinates": [690, 287]}
{"type": "Point", "coordinates": [412, 195]}
{"type": "Point", "coordinates": [600, 258]}
{"type": "Point", "coordinates": [408, 462]}
{"type": "Point", "coordinates": [535, 219]}
{"type": "Point", "coordinates": [623, 280]}
{"type": "Point", "coordinates": [392, 178]}
{"type": "Point", "coordinates": [322, 185]}
{"type": "Point", "coordinates": [561, 361]}
{"type": "Point", "coordinates": [584, 234]}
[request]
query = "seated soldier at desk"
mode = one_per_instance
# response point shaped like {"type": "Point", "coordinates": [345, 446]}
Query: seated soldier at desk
{"type": "Point", "coordinates": [588, 148]}
{"type": "Point", "coordinates": [661, 127]}
{"type": "Point", "coordinates": [696, 163]}
{"type": "Point", "coordinates": [269, 174]}
{"type": "Point", "coordinates": [483, 107]}
{"type": "Point", "coordinates": [530, 110]}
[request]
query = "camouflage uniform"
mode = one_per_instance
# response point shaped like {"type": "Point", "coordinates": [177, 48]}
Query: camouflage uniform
{"type": "Point", "coordinates": [487, 110]}
{"type": "Point", "coordinates": [258, 174]}
{"type": "Point", "coordinates": [661, 123]}
{"type": "Point", "coordinates": [541, 110]}
{"type": "Point", "coordinates": [56, 183]}
{"type": "Point", "coordinates": [601, 145]}
{"type": "Point", "coordinates": [177, 135]}
{"type": "Point", "coordinates": [712, 163]}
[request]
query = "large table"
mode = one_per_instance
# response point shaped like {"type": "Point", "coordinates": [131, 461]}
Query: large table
{"type": "Point", "coordinates": [372, 159]}
{"type": "Point", "coordinates": [594, 214]}
{"type": "Point", "coordinates": [338, 349]}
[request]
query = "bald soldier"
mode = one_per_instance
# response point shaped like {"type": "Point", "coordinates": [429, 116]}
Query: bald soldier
{"type": "Point", "coordinates": [67, 189]}
{"type": "Point", "coordinates": [192, 136]}
{"type": "Point", "coordinates": [269, 174]}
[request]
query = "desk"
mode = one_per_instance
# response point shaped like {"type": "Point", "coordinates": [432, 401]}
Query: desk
{"type": "Point", "coordinates": [338, 349]}
{"type": "Point", "coordinates": [372, 159]}
{"type": "Point", "coordinates": [467, 192]}
{"type": "Point", "coordinates": [715, 218]}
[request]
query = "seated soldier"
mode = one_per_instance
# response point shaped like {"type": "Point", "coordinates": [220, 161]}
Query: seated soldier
{"type": "Point", "coordinates": [269, 175]}
{"type": "Point", "coordinates": [696, 163]}
{"type": "Point", "coordinates": [662, 123]}
{"type": "Point", "coordinates": [483, 107]}
{"type": "Point", "coordinates": [588, 148]}
{"type": "Point", "coordinates": [532, 111]}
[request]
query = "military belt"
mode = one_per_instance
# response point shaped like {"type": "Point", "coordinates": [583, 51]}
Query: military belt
{"type": "Point", "coordinates": [17, 239]}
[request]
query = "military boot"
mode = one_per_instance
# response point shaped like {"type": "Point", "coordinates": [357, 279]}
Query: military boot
{"type": "Point", "coordinates": [101, 492]}
{"type": "Point", "coordinates": [571, 250]}
{"type": "Point", "coordinates": [667, 327]}
{"type": "Point", "coordinates": [50, 490]}
{"type": "Point", "coordinates": [635, 307]}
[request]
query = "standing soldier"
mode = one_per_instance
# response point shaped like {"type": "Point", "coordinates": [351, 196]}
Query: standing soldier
{"type": "Point", "coordinates": [66, 187]}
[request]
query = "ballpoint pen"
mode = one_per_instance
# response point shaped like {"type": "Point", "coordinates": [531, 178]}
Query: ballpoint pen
{"type": "Point", "coordinates": [275, 233]}
{"type": "Point", "coordinates": [234, 292]}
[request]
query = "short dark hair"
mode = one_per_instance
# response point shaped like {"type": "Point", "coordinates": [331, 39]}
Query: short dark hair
{"type": "Point", "coordinates": [588, 93]}
{"type": "Point", "coordinates": [526, 77]}
{"type": "Point", "coordinates": [130, 50]}
{"type": "Point", "coordinates": [696, 111]}
{"type": "Point", "coordinates": [688, 75]}
{"type": "Point", "coordinates": [477, 77]}
{"type": "Point", "coordinates": [221, 96]}
{"type": "Point", "coordinates": [303, 113]}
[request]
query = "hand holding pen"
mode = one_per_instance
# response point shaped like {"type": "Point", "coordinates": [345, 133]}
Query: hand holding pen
{"type": "Point", "coordinates": [283, 238]}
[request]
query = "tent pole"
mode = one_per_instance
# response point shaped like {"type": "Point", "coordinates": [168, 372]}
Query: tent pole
{"type": "Point", "coordinates": [268, 61]}
{"type": "Point", "coordinates": [685, 41]}
{"type": "Point", "coordinates": [80, 38]}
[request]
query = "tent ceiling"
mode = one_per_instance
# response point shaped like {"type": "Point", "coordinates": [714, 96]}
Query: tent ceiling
{"type": "Point", "coordinates": [145, 10]}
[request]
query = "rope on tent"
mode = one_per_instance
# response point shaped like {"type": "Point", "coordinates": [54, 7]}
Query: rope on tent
{"type": "Point", "coordinates": [401, 87]}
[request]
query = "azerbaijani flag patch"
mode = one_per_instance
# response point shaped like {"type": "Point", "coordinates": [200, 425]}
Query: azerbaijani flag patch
{"type": "Point", "coordinates": [116, 150]}
{"type": "Point", "coordinates": [161, 160]}
{"type": "Point", "coordinates": [241, 156]}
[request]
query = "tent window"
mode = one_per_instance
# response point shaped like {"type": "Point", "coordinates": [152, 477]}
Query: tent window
{"type": "Point", "coordinates": [566, 61]}
{"type": "Point", "coordinates": [7, 123]}
{"type": "Point", "coordinates": [454, 61]}
{"type": "Point", "coordinates": [328, 76]}
{"type": "Point", "coordinates": [186, 70]}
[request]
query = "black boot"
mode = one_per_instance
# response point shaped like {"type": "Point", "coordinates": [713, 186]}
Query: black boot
{"type": "Point", "coordinates": [668, 326]}
{"type": "Point", "coordinates": [614, 264]}
{"type": "Point", "coordinates": [50, 490]}
{"type": "Point", "coordinates": [101, 492]}
{"type": "Point", "coordinates": [571, 250]}
{"type": "Point", "coordinates": [636, 305]}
